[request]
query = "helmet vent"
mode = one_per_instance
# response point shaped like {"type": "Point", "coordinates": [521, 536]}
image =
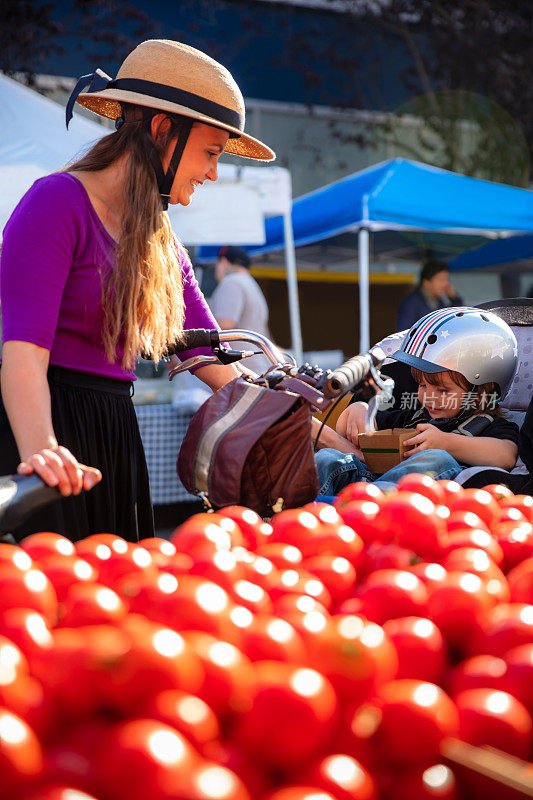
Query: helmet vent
{"type": "Point", "coordinates": [431, 339]}
{"type": "Point", "coordinates": [412, 332]}
{"type": "Point", "coordinates": [459, 314]}
{"type": "Point", "coordinates": [484, 318]}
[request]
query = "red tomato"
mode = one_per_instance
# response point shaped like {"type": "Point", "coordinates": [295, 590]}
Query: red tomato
{"type": "Point", "coordinates": [283, 556]}
{"type": "Point", "coordinates": [190, 715]}
{"type": "Point", "coordinates": [250, 524]}
{"type": "Point", "coordinates": [14, 556]}
{"type": "Point", "coordinates": [295, 527]}
{"type": "Point", "coordinates": [299, 582]}
{"type": "Point", "coordinates": [263, 637]}
{"type": "Point", "coordinates": [423, 484]}
{"type": "Point", "coordinates": [301, 697]}
{"type": "Point", "coordinates": [425, 783]}
{"type": "Point", "coordinates": [523, 502]}
{"type": "Point", "coordinates": [459, 608]}
{"type": "Point", "coordinates": [356, 656]}
{"type": "Point", "coordinates": [134, 562]}
{"type": "Point", "coordinates": [520, 580]}
{"type": "Point", "coordinates": [40, 545]}
{"type": "Point", "coordinates": [219, 566]}
{"type": "Point", "coordinates": [63, 571]}
{"type": "Point", "coordinates": [499, 491]}
{"type": "Point", "coordinates": [142, 758]}
{"type": "Point", "coordinates": [161, 550]}
{"type": "Point", "coordinates": [91, 604]}
{"type": "Point", "coordinates": [57, 792]}
{"type": "Point", "coordinates": [261, 571]}
{"type": "Point", "coordinates": [358, 491]}
{"type": "Point", "coordinates": [390, 593]}
{"type": "Point", "coordinates": [414, 522]}
{"type": "Point", "coordinates": [27, 589]}
{"type": "Point", "coordinates": [519, 674]}
{"type": "Point", "coordinates": [420, 647]}
{"type": "Point", "coordinates": [21, 756]}
{"type": "Point", "coordinates": [362, 516]}
{"type": "Point", "coordinates": [516, 541]}
{"type": "Point", "coordinates": [343, 776]}
{"type": "Point", "coordinates": [69, 760]}
{"type": "Point", "coordinates": [477, 561]}
{"type": "Point", "coordinates": [451, 490]}
{"type": "Point", "coordinates": [386, 556]}
{"type": "Point", "coordinates": [302, 792]}
{"type": "Point", "coordinates": [511, 515]}
{"type": "Point", "coordinates": [230, 755]}
{"type": "Point", "coordinates": [480, 502]}
{"type": "Point", "coordinates": [507, 625]}
{"type": "Point", "coordinates": [460, 519]}
{"type": "Point", "coordinates": [178, 564]}
{"type": "Point", "coordinates": [228, 674]}
{"type": "Point", "coordinates": [431, 574]}
{"type": "Point", "coordinates": [473, 537]}
{"type": "Point", "coordinates": [495, 718]}
{"type": "Point", "coordinates": [251, 596]}
{"type": "Point", "coordinates": [26, 698]}
{"type": "Point", "coordinates": [211, 781]}
{"type": "Point", "coordinates": [481, 671]}
{"type": "Point", "coordinates": [195, 604]}
{"type": "Point", "coordinates": [335, 572]}
{"type": "Point", "coordinates": [157, 659]}
{"type": "Point", "coordinates": [206, 530]}
{"type": "Point", "coordinates": [407, 721]}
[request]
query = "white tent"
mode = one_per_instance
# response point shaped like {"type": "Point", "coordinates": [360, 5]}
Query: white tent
{"type": "Point", "coordinates": [35, 142]}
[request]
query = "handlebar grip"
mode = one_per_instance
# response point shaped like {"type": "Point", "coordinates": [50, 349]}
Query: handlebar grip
{"type": "Point", "coordinates": [21, 495]}
{"type": "Point", "coordinates": [195, 337]}
{"type": "Point", "coordinates": [348, 375]}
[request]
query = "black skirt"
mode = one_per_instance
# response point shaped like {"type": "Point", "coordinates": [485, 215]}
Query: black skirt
{"type": "Point", "coordinates": [94, 418]}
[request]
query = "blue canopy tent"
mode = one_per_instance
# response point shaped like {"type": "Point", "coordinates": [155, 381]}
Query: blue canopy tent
{"type": "Point", "coordinates": [502, 251]}
{"type": "Point", "coordinates": [400, 195]}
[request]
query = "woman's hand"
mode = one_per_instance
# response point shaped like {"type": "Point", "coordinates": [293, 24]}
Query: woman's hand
{"type": "Point", "coordinates": [428, 437]}
{"type": "Point", "coordinates": [58, 467]}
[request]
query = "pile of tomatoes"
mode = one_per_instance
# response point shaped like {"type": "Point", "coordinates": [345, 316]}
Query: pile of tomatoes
{"type": "Point", "coordinates": [330, 654]}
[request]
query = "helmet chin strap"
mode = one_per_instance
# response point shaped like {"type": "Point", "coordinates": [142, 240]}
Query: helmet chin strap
{"type": "Point", "coordinates": [165, 179]}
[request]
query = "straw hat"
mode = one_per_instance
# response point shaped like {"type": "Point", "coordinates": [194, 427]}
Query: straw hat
{"type": "Point", "coordinates": [174, 77]}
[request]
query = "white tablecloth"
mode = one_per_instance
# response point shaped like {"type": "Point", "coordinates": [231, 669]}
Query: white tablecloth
{"type": "Point", "coordinates": [163, 428]}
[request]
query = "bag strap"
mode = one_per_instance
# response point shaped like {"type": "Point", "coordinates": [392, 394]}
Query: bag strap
{"type": "Point", "coordinates": [313, 396]}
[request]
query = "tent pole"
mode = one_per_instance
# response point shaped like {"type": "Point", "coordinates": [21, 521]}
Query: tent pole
{"type": "Point", "coordinates": [364, 303]}
{"type": "Point", "coordinates": [292, 288]}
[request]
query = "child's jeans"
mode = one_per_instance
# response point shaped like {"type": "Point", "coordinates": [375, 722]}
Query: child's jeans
{"type": "Point", "coordinates": [336, 470]}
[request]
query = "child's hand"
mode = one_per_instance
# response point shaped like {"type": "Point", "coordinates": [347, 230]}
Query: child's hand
{"type": "Point", "coordinates": [352, 421]}
{"type": "Point", "coordinates": [428, 437]}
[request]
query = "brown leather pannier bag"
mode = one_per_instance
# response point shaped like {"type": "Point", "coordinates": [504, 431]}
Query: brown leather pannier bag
{"type": "Point", "coordinates": [251, 445]}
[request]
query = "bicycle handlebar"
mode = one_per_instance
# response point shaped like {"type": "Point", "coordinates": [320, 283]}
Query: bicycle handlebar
{"type": "Point", "coordinates": [353, 372]}
{"type": "Point", "coordinates": [196, 337]}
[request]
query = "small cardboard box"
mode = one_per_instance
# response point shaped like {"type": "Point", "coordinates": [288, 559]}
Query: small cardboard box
{"type": "Point", "coordinates": [384, 449]}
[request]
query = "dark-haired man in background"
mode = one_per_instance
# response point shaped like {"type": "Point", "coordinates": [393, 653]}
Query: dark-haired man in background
{"type": "Point", "coordinates": [434, 291]}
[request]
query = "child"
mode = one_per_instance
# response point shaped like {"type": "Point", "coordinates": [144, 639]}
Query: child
{"type": "Point", "coordinates": [463, 360]}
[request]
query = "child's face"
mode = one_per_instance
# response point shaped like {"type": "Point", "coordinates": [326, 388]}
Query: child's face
{"type": "Point", "coordinates": [443, 400]}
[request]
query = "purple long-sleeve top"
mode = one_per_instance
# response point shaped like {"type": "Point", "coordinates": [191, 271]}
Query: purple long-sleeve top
{"type": "Point", "coordinates": [54, 252]}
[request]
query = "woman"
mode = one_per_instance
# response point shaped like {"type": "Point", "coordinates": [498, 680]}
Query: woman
{"type": "Point", "coordinates": [91, 276]}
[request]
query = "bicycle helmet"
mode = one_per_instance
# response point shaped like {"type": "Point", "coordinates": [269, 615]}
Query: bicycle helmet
{"type": "Point", "coordinates": [471, 341]}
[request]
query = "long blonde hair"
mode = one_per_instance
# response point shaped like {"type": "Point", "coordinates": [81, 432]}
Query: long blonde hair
{"type": "Point", "coordinates": [142, 297]}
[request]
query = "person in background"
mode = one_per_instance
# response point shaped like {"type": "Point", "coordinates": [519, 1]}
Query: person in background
{"type": "Point", "coordinates": [238, 302]}
{"type": "Point", "coordinates": [434, 291]}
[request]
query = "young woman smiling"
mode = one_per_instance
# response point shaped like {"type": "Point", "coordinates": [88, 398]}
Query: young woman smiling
{"type": "Point", "coordinates": [92, 275]}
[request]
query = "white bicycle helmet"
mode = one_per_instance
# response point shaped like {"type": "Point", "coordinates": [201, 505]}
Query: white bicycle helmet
{"type": "Point", "coordinates": [472, 341]}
